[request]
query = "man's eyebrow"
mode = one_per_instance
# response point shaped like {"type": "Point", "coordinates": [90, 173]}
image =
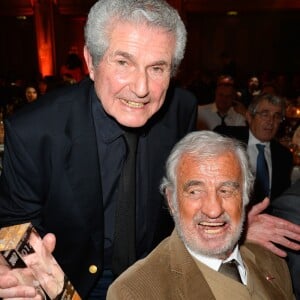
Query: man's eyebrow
{"type": "Point", "coordinates": [159, 63]}
{"type": "Point", "coordinates": [233, 184]}
{"type": "Point", "coordinates": [131, 57]}
{"type": "Point", "coordinates": [124, 54]}
{"type": "Point", "coordinates": [191, 183]}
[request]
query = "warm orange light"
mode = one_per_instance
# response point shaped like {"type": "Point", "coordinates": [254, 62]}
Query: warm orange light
{"type": "Point", "coordinates": [45, 59]}
{"type": "Point", "coordinates": [232, 13]}
{"type": "Point", "coordinates": [44, 35]}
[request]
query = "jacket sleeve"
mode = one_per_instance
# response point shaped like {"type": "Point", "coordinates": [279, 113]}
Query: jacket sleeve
{"type": "Point", "coordinates": [21, 186]}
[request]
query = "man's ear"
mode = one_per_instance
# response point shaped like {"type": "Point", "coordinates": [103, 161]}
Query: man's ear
{"type": "Point", "coordinates": [169, 196]}
{"type": "Point", "coordinates": [89, 62]}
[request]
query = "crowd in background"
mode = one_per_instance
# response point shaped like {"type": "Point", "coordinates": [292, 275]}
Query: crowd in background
{"type": "Point", "coordinates": [201, 83]}
{"type": "Point", "coordinates": [16, 92]}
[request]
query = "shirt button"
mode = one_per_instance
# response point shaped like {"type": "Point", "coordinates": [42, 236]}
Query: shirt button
{"type": "Point", "coordinates": [93, 269]}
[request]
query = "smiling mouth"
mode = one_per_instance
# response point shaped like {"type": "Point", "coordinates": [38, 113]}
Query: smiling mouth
{"type": "Point", "coordinates": [132, 104]}
{"type": "Point", "coordinates": [212, 227]}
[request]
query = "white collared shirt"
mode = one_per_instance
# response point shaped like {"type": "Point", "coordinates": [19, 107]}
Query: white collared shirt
{"type": "Point", "coordinates": [253, 152]}
{"type": "Point", "coordinates": [215, 263]}
{"type": "Point", "coordinates": [208, 117]}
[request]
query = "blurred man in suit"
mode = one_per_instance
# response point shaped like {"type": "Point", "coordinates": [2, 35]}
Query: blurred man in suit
{"type": "Point", "coordinates": [207, 187]}
{"type": "Point", "coordinates": [287, 206]}
{"type": "Point", "coordinates": [221, 111]}
{"type": "Point", "coordinates": [264, 115]}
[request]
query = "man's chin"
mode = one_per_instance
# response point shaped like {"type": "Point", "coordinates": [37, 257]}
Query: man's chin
{"type": "Point", "coordinates": [211, 247]}
{"type": "Point", "coordinates": [217, 250]}
{"type": "Point", "coordinates": [132, 123]}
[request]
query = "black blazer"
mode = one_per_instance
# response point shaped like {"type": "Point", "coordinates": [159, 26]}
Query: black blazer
{"type": "Point", "coordinates": [51, 173]}
{"type": "Point", "coordinates": [281, 157]}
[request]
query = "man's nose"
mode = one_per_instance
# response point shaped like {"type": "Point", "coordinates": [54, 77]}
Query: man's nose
{"type": "Point", "coordinates": [140, 84]}
{"type": "Point", "coordinates": [212, 206]}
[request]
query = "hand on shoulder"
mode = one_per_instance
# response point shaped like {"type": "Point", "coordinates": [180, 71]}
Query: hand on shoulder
{"type": "Point", "coordinates": [270, 231]}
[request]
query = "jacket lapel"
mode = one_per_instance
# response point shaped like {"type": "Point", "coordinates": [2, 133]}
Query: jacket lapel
{"type": "Point", "coordinates": [81, 156]}
{"type": "Point", "coordinates": [261, 281]}
{"type": "Point", "coordinates": [189, 282]}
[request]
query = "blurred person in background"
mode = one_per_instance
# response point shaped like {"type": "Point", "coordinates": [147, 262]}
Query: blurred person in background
{"type": "Point", "coordinates": [31, 93]}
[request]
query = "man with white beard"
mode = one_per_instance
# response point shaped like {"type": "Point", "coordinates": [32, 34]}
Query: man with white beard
{"type": "Point", "coordinates": [207, 187]}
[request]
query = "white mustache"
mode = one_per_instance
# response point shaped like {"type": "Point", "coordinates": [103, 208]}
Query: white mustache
{"type": "Point", "coordinates": [205, 220]}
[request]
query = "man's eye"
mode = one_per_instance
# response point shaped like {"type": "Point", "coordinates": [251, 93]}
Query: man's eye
{"type": "Point", "coordinates": [226, 192]}
{"type": "Point", "coordinates": [195, 192]}
{"type": "Point", "coordinates": [157, 69]}
{"type": "Point", "coordinates": [122, 62]}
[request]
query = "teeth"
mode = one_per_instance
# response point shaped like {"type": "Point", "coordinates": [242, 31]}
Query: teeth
{"type": "Point", "coordinates": [211, 224]}
{"type": "Point", "coordinates": [133, 104]}
{"type": "Point", "coordinates": [212, 231]}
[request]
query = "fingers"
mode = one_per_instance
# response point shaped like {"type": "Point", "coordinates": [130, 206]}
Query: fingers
{"type": "Point", "coordinates": [18, 292]}
{"type": "Point", "coordinates": [280, 238]}
{"type": "Point", "coordinates": [286, 238]}
{"type": "Point", "coordinates": [273, 232]}
{"type": "Point", "coordinates": [17, 284]}
{"type": "Point", "coordinates": [7, 282]}
{"type": "Point", "coordinates": [259, 208]}
{"type": "Point", "coordinates": [266, 241]}
{"type": "Point", "coordinates": [290, 227]}
{"type": "Point", "coordinates": [37, 297]}
{"type": "Point", "coordinates": [290, 244]}
{"type": "Point", "coordinates": [282, 227]}
{"type": "Point", "coordinates": [49, 241]}
{"type": "Point", "coordinates": [273, 248]}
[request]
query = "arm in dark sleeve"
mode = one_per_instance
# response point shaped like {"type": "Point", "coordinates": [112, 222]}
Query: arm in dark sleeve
{"type": "Point", "coordinates": [21, 182]}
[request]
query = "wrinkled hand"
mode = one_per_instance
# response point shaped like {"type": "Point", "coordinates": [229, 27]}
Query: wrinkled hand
{"type": "Point", "coordinates": [14, 283]}
{"type": "Point", "coordinates": [44, 267]}
{"type": "Point", "coordinates": [265, 229]}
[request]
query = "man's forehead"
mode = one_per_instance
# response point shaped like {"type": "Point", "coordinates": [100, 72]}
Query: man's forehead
{"type": "Point", "coordinates": [131, 40]}
{"type": "Point", "coordinates": [213, 160]}
{"type": "Point", "coordinates": [266, 105]}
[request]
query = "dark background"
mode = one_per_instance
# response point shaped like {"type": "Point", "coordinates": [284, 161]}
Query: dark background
{"type": "Point", "coordinates": [263, 36]}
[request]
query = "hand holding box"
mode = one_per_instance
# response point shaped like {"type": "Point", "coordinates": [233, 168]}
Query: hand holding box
{"type": "Point", "coordinates": [22, 249]}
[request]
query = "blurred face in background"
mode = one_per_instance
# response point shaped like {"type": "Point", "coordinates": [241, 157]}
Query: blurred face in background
{"type": "Point", "coordinates": [253, 84]}
{"type": "Point", "coordinates": [224, 97]}
{"type": "Point", "coordinates": [31, 94]}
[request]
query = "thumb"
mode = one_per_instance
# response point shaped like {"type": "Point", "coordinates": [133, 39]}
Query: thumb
{"type": "Point", "coordinates": [49, 241]}
{"type": "Point", "coordinates": [260, 207]}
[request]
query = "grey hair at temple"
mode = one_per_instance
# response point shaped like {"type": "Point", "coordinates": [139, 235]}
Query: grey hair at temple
{"type": "Point", "coordinates": [104, 14]}
{"type": "Point", "coordinates": [206, 144]}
